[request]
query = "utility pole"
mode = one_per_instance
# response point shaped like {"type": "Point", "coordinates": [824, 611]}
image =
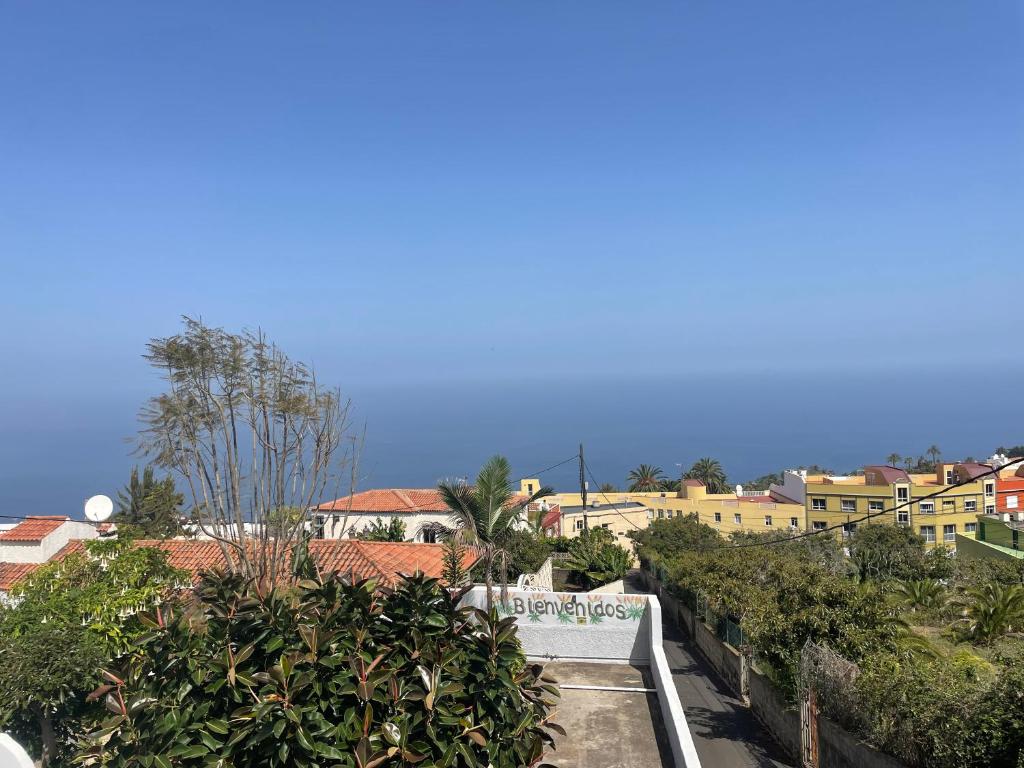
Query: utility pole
{"type": "Point", "coordinates": [583, 488]}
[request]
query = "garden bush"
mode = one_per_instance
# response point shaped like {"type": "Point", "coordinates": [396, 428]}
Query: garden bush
{"type": "Point", "coordinates": [325, 674]}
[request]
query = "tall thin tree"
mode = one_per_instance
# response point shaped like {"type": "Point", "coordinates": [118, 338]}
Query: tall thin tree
{"type": "Point", "coordinates": [251, 432]}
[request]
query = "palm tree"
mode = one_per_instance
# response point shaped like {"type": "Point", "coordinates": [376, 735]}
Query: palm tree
{"type": "Point", "coordinates": [992, 610]}
{"type": "Point", "coordinates": [709, 472]}
{"type": "Point", "coordinates": [670, 485]}
{"type": "Point", "coordinates": [926, 593]}
{"type": "Point", "coordinates": [608, 488]}
{"type": "Point", "coordinates": [893, 459]}
{"type": "Point", "coordinates": [935, 453]}
{"type": "Point", "coordinates": [646, 477]}
{"type": "Point", "coordinates": [485, 512]}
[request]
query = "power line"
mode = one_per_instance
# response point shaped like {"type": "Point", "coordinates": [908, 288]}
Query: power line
{"type": "Point", "coordinates": [594, 481]}
{"type": "Point", "coordinates": [574, 457]}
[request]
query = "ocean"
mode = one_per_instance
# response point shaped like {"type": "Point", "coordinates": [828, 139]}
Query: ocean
{"type": "Point", "coordinates": [54, 457]}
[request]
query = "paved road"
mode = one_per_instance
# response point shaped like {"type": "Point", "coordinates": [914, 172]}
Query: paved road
{"type": "Point", "coordinates": [725, 732]}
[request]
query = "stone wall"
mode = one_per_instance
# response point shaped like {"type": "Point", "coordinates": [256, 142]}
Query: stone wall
{"type": "Point", "coordinates": [841, 749]}
{"type": "Point", "coordinates": [767, 705]}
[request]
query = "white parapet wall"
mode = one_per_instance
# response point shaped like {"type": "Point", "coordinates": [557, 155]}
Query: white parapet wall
{"type": "Point", "coordinates": [595, 627]}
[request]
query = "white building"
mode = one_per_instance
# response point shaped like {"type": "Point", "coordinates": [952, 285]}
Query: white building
{"type": "Point", "coordinates": [421, 509]}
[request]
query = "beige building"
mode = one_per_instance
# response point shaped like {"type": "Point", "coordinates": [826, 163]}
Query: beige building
{"type": "Point", "coordinates": [620, 512]}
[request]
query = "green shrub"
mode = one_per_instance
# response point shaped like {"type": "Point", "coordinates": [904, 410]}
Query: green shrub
{"type": "Point", "coordinates": [326, 674]}
{"type": "Point", "coordinates": [596, 559]}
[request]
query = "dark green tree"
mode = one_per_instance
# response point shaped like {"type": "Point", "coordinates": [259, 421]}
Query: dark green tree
{"type": "Point", "coordinates": [454, 570]}
{"type": "Point", "coordinates": [325, 673]}
{"type": "Point", "coordinates": [645, 478]}
{"type": "Point", "coordinates": [709, 471]}
{"type": "Point", "coordinates": [148, 508]}
{"type": "Point", "coordinates": [881, 551]}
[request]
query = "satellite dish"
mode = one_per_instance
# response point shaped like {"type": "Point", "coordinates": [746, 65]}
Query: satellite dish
{"type": "Point", "coordinates": [98, 508]}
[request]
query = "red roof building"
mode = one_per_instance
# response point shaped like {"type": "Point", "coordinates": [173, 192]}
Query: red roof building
{"type": "Point", "coordinates": [11, 573]}
{"type": "Point", "coordinates": [383, 560]}
{"type": "Point", "coordinates": [33, 529]}
{"type": "Point", "coordinates": [421, 510]}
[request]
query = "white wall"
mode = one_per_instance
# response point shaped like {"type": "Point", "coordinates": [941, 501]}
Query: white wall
{"type": "Point", "coordinates": [578, 626]}
{"type": "Point", "coordinates": [794, 485]}
{"type": "Point", "coordinates": [337, 525]}
{"type": "Point", "coordinates": [624, 636]}
{"type": "Point", "coordinates": [41, 551]}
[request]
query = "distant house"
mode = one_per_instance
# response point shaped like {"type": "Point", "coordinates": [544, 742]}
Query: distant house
{"type": "Point", "coordinates": [385, 561]}
{"type": "Point", "coordinates": [23, 547]}
{"type": "Point", "coordinates": [37, 539]}
{"type": "Point", "coordinates": [422, 510]}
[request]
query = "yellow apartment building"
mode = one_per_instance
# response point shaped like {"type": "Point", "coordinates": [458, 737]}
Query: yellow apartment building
{"type": "Point", "coordinates": [621, 512]}
{"type": "Point", "coordinates": [844, 501]}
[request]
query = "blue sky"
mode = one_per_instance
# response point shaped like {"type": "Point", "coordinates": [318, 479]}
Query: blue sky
{"type": "Point", "coordinates": [409, 192]}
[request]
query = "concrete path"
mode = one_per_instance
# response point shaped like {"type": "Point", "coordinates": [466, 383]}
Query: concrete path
{"type": "Point", "coordinates": [608, 728]}
{"type": "Point", "coordinates": [725, 732]}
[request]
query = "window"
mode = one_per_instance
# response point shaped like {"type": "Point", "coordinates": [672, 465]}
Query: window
{"type": "Point", "coordinates": [661, 514]}
{"type": "Point", "coordinates": [819, 525]}
{"type": "Point", "coordinates": [876, 505]}
{"type": "Point", "coordinates": [902, 517]}
{"type": "Point", "coordinates": [990, 490]}
{"type": "Point", "coordinates": [949, 532]}
{"type": "Point", "coordinates": [529, 489]}
{"type": "Point", "coordinates": [971, 505]}
{"type": "Point", "coordinates": [670, 514]}
{"type": "Point", "coordinates": [768, 520]}
{"type": "Point", "coordinates": [970, 527]}
{"type": "Point", "coordinates": [1011, 502]}
{"type": "Point", "coordinates": [318, 532]}
{"type": "Point", "coordinates": [948, 505]}
{"type": "Point", "coordinates": [990, 509]}
{"type": "Point", "coordinates": [849, 529]}
{"type": "Point", "coordinates": [737, 519]}
{"type": "Point", "coordinates": [793, 522]}
{"type": "Point", "coordinates": [927, 507]}
{"type": "Point", "coordinates": [605, 526]}
{"type": "Point", "coordinates": [949, 477]}
{"type": "Point", "coordinates": [818, 504]}
{"type": "Point", "coordinates": [428, 535]}
{"type": "Point", "coordinates": [928, 533]}
{"type": "Point", "coordinates": [903, 494]}
{"type": "Point", "coordinates": [848, 505]}
{"type": "Point", "coordinates": [718, 517]}
{"type": "Point", "coordinates": [579, 525]}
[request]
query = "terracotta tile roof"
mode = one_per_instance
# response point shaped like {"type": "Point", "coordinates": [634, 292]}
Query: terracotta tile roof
{"type": "Point", "coordinates": [551, 518]}
{"type": "Point", "coordinates": [383, 560]}
{"type": "Point", "coordinates": [385, 500]}
{"type": "Point", "coordinates": [10, 573]}
{"type": "Point", "coordinates": [389, 500]}
{"type": "Point", "coordinates": [691, 483]}
{"type": "Point", "coordinates": [33, 529]}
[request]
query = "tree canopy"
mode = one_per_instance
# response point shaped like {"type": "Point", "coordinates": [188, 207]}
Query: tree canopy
{"type": "Point", "coordinates": [148, 508]}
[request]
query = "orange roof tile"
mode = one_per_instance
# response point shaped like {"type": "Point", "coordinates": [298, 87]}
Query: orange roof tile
{"type": "Point", "coordinates": [390, 500]}
{"type": "Point", "coordinates": [11, 573]}
{"type": "Point", "coordinates": [33, 529]}
{"type": "Point", "coordinates": [384, 560]}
